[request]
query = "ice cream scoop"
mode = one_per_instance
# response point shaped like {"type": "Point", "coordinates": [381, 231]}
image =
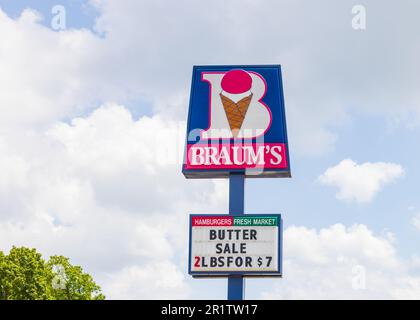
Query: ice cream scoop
{"type": "Point", "coordinates": [236, 81]}
{"type": "Point", "coordinates": [236, 97]}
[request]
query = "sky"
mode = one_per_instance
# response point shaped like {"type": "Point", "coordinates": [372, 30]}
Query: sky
{"type": "Point", "coordinates": [92, 130]}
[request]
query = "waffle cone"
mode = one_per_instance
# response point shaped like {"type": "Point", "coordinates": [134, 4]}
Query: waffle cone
{"type": "Point", "coordinates": [235, 112]}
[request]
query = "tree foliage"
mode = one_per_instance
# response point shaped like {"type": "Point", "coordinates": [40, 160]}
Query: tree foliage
{"type": "Point", "coordinates": [25, 275]}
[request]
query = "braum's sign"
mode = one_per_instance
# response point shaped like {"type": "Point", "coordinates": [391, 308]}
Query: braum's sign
{"type": "Point", "coordinates": [236, 123]}
{"type": "Point", "coordinates": [249, 245]}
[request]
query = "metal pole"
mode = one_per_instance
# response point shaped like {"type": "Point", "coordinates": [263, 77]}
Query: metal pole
{"type": "Point", "coordinates": [236, 283]}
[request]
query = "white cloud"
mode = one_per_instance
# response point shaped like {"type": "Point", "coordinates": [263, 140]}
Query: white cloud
{"type": "Point", "coordinates": [416, 221]}
{"type": "Point", "coordinates": [45, 74]}
{"type": "Point", "coordinates": [76, 69]}
{"type": "Point", "coordinates": [122, 158]}
{"type": "Point", "coordinates": [325, 77]}
{"type": "Point", "coordinates": [107, 191]}
{"type": "Point", "coordinates": [339, 262]}
{"type": "Point", "coordinates": [97, 194]}
{"type": "Point", "coordinates": [164, 281]}
{"type": "Point", "coordinates": [324, 246]}
{"type": "Point", "coordinates": [360, 182]}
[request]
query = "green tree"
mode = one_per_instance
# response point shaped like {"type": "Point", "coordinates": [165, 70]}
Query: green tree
{"type": "Point", "coordinates": [71, 283]}
{"type": "Point", "coordinates": [25, 275]}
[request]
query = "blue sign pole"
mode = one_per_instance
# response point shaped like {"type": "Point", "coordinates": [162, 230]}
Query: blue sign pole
{"type": "Point", "coordinates": [236, 283]}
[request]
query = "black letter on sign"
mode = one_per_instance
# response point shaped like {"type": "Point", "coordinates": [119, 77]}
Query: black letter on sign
{"type": "Point", "coordinates": [213, 234]}
{"type": "Point", "coordinates": [248, 262]}
{"type": "Point", "coordinates": [253, 234]}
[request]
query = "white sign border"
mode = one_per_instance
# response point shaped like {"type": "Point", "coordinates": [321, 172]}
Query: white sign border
{"type": "Point", "coordinates": [254, 274]}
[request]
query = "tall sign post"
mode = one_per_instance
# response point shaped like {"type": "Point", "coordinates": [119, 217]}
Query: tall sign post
{"type": "Point", "coordinates": [236, 129]}
{"type": "Point", "coordinates": [236, 283]}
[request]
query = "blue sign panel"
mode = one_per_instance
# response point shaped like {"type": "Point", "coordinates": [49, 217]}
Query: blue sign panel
{"type": "Point", "coordinates": [236, 123]}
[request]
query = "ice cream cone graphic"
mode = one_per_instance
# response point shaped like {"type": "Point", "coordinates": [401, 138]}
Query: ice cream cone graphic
{"type": "Point", "coordinates": [236, 97]}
